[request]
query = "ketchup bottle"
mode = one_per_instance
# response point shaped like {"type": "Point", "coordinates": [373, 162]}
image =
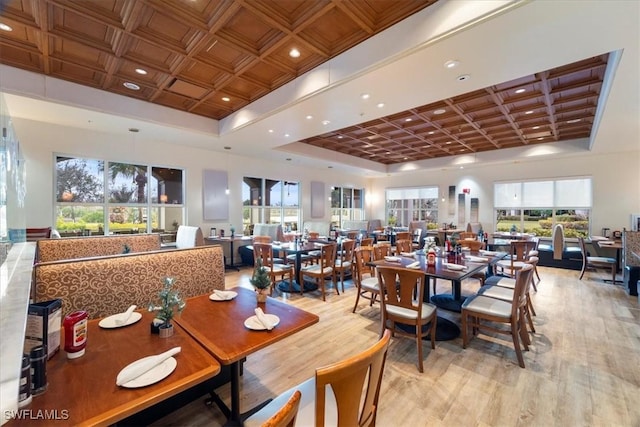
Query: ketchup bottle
{"type": "Point", "coordinates": [75, 333]}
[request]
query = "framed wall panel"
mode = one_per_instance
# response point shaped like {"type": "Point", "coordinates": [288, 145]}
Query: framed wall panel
{"type": "Point", "coordinates": [452, 201]}
{"type": "Point", "coordinates": [317, 199]}
{"type": "Point", "coordinates": [462, 210]}
{"type": "Point", "coordinates": [475, 207]}
{"type": "Point", "coordinates": [214, 195]}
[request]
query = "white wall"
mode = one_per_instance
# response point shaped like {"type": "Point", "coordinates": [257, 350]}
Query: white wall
{"type": "Point", "coordinates": [40, 141]}
{"type": "Point", "coordinates": [616, 185]}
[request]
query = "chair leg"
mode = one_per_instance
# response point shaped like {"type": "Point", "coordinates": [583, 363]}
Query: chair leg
{"type": "Point", "coordinates": [516, 342]}
{"type": "Point", "coordinates": [613, 273]}
{"type": "Point", "coordinates": [419, 344]}
{"type": "Point", "coordinates": [464, 329]}
{"type": "Point", "coordinates": [434, 324]}
{"type": "Point", "coordinates": [584, 268]}
{"type": "Point", "coordinates": [357, 299]}
{"type": "Point", "coordinates": [530, 305]}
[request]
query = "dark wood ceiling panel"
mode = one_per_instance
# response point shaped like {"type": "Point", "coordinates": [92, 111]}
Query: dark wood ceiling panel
{"type": "Point", "coordinates": [213, 58]}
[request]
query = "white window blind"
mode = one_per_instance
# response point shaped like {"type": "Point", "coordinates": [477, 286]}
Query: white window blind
{"type": "Point", "coordinates": [573, 193]}
{"type": "Point", "coordinates": [565, 193]}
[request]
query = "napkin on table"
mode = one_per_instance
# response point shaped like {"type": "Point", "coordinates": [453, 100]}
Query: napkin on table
{"type": "Point", "coordinates": [263, 319]}
{"type": "Point", "coordinates": [456, 267]}
{"type": "Point", "coordinates": [408, 254]}
{"type": "Point", "coordinates": [477, 258]}
{"type": "Point", "coordinates": [488, 252]}
{"type": "Point", "coordinates": [414, 265]}
{"type": "Point", "coordinates": [391, 258]}
{"type": "Point", "coordinates": [123, 317]}
{"type": "Point", "coordinates": [224, 294]}
{"type": "Point", "coordinates": [127, 375]}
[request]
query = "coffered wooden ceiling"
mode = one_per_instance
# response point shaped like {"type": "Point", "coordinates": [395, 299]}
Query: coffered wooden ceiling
{"type": "Point", "coordinates": [212, 58]}
{"type": "Point", "coordinates": [209, 58]}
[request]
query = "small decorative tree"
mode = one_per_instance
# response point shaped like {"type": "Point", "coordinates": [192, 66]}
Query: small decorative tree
{"type": "Point", "coordinates": [170, 303]}
{"type": "Point", "coordinates": [260, 281]}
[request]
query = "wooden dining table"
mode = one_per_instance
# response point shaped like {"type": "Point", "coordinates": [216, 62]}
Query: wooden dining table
{"type": "Point", "coordinates": [298, 249]}
{"type": "Point", "coordinates": [219, 327]}
{"type": "Point", "coordinates": [83, 391]}
{"type": "Point", "coordinates": [453, 301]}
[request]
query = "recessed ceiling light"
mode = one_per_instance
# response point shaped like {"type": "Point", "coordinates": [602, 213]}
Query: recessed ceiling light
{"type": "Point", "coordinates": [226, 99]}
{"type": "Point", "coordinates": [408, 119]}
{"type": "Point", "coordinates": [529, 112]}
{"type": "Point", "coordinates": [339, 136]}
{"type": "Point", "coordinates": [270, 130]}
{"type": "Point", "coordinates": [463, 77]}
{"type": "Point", "coordinates": [364, 96]}
{"type": "Point", "coordinates": [406, 158]}
{"type": "Point", "coordinates": [309, 117]}
{"type": "Point", "coordinates": [431, 132]}
{"type": "Point", "coordinates": [461, 167]}
{"type": "Point", "coordinates": [380, 104]}
{"type": "Point", "coordinates": [294, 53]}
{"type": "Point", "coordinates": [540, 138]}
{"type": "Point", "coordinates": [452, 63]}
{"type": "Point", "coordinates": [462, 149]}
{"type": "Point", "coordinates": [286, 135]}
{"type": "Point", "coordinates": [536, 127]}
{"type": "Point", "coordinates": [325, 122]}
{"type": "Point", "coordinates": [5, 27]}
{"type": "Point", "coordinates": [440, 111]}
{"type": "Point", "coordinates": [521, 90]}
{"type": "Point", "coordinates": [131, 86]}
{"type": "Point", "coordinates": [141, 71]}
{"type": "Point", "coordinates": [573, 121]}
{"type": "Point", "coordinates": [448, 142]}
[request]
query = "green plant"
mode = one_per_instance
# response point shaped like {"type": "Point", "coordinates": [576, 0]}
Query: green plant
{"type": "Point", "coordinates": [170, 302]}
{"type": "Point", "coordinates": [260, 278]}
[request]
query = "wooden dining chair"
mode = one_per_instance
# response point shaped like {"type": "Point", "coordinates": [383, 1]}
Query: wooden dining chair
{"type": "Point", "coordinates": [484, 313]}
{"type": "Point", "coordinates": [519, 254]}
{"type": "Point", "coordinates": [403, 235]}
{"type": "Point", "coordinates": [325, 269]}
{"type": "Point", "coordinates": [263, 253]}
{"type": "Point", "coordinates": [366, 241]}
{"type": "Point", "coordinates": [366, 279]}
{"type": "Point", "coordinates": [286, 416]}
{"type": "Point", "coordinates": [401, 296]}
{"type": "Point", "coordinates": [403, 246]}
{"type": "Point", "coordinates": [381, 250]}
{"type": "Point", "coordinates": [344, 262]}
{"type": "Point", "coordinates": [343, 394]}
{"type": "Point", "coordinates": [596, 262]}
{"type": "Point", "coordinates": [468, 235]}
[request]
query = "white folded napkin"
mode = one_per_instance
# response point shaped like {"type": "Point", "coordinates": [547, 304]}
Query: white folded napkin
{"type": "Point", "coordinates": [224, 294]}
{"type": "Point", "coordinates": [408, 254]}
{"type": "Point", "coordinates": [456, 267]}
{"type": "Point", "coordinates": [392, 258]}
{"type": "Point", "coordinates": [488, 252]}
{"type": "Point", "coordinates": [263, 319]}
{"type": "Point", "coordinates": [127, 375]}
{"type": "Point", "coordinates": [123, 317]}
{"type": "Point", "coordinates": [477, 258]}
{"type": "Point", "coordinates": [414, 265]}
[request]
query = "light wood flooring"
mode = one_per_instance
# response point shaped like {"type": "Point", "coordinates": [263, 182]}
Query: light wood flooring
{"type": "Point", "coordinates": [583, 368]}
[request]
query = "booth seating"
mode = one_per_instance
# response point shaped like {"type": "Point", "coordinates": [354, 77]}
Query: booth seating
{"type": "Point", "coordinates": [83, 247]}
{"type": "Point", "coordinates": [631, 259]}
{"type": "Point", "coordinates": [558, 254]}
{"type": "Point", "coordinates": [110, 284]}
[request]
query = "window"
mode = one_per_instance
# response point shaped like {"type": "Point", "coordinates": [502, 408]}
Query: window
{"type": "Point", "coordinates": [132, 202]}
{"type": "Point", "coordinates": [346, 204]}
{"type": "Point", "coordinates": [270, 201]}
{"type": "Point", "coordinates": [412, 204]}
{"type": "Point", "coordinates": [536, 206]}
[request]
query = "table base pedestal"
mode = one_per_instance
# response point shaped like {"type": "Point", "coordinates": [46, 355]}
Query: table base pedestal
{"type": "Point", "coordinates": [447, 302]}
{"type": "Point", "coordinates": [446, 330]}
{"type": "Point", "coordinates": [283, 286]}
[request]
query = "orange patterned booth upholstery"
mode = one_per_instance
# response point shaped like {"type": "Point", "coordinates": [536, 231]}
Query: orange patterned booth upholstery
{"type": "Point", "coordinates": [108, 285]}
{"type": "Point", "coordinates": [83, 247]}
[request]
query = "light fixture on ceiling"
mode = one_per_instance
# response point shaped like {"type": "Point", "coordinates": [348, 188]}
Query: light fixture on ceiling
{"type": "Point", "coordinates": [529, 112]}
{"type": "Point", "coordinates": [270, 130]}
{"type": "Point", "coordinates": [463, 78]}
{"type": "Point", "coordinates": [364, 96]}
{"type": "Point", "coordinates": [226, 99]}
{"type": "Point", "coordinates": [408, 119]}
{"type": "Point", "coordinates": [286, 135]}
{"type": "Point", "coordinates": [131, 86]}
{"type": "Point", "coordinates": [141, 71]}
{"type": "Point", "coordinates": [461, 167]}
{"type": "Point", "coordinates": [536, 127]}
{"type": "Point", "coordinates": [573, 121]}
{"type": "Point", "coordinates": [309, 117]}
{"type": "Point", "coordinates": [5, 27]}
{"type": "Point", "coordinates": [339, 136]}
{"type": "Point", "coordinates": [439, 111]}
{"type": "Point", "coordinates": [521, 90]}
{"type": "Point", "coordinates": [431, 132]}
{"type": "Point", "coordinates": [325, 122]}
{"type": "Point", "coordinates": [380, 104]}
{"type": "Point", "coordinates": [452, 63]}
{"type": "Point", "coordinates": [294, 53]}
